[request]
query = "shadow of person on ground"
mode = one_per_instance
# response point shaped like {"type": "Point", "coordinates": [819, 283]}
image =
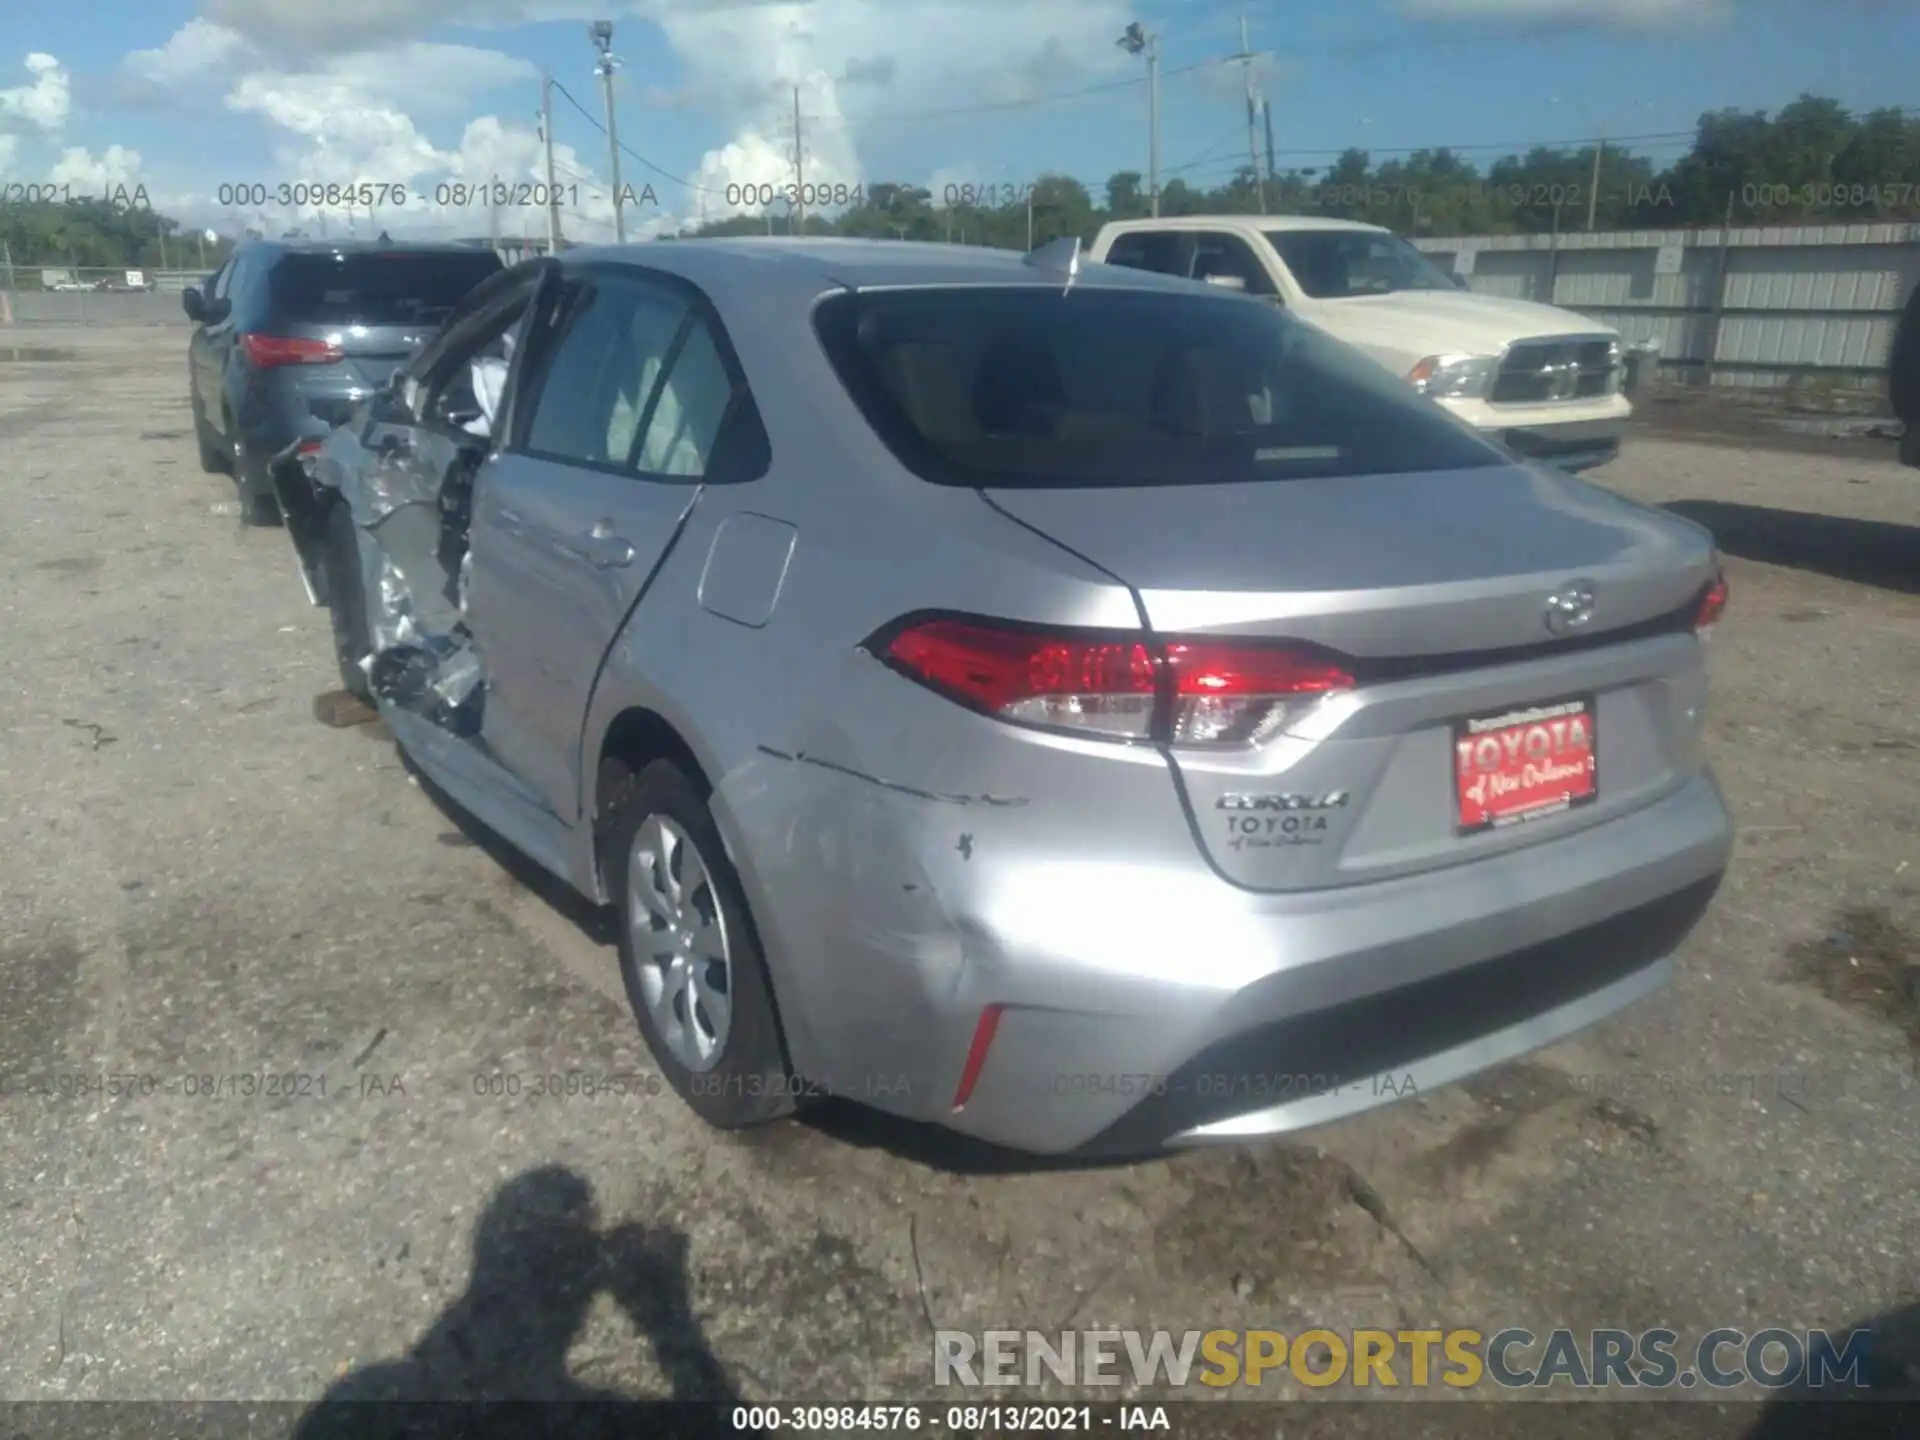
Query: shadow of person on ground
{"type": "Point", "coordinates": [496, 1361]}
{"type": "Point", "coordinates": [1885, 1401]}
{"type": "Point", "coordinates": [1870, 552]}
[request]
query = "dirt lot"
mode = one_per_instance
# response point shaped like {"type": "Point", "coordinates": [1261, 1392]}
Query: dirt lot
{"type": "Point", "coordinates": [203, 882]}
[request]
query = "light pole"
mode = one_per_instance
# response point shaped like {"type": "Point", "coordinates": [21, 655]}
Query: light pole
{"type": "Point", "coordinates": [1599, 149]}
{"type": "Point", "coordinates": [1138, 40]}
{"type": "Point", "coordinates": [602, 33]}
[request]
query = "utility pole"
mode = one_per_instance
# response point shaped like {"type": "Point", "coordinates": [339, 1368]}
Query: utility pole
{"type": "Point", "coordinates": [602, 32]}
{"type": "Point", "coordinates": [799, 165]}
{"type": "Point", "coordinates": [1029, 221]}
{"type": "Point", "coordinates": [1593, 191]}
{"type": "Point", "coordinates": [546, 142]}
{"type": "Point", "coordinates": [1153, 120]}
{"type": "Point", "coordinates": [1138, 40]}
{"type": "Point", "coordinates": [1245, 57]}
{"type": "Point", "coordinates": [1266, 119]}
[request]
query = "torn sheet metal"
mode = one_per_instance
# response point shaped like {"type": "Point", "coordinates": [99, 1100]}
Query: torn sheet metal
{"type": "Point", "coordinates": [411, 528]}
{"type": "Point", "coordinates": [393, 623]}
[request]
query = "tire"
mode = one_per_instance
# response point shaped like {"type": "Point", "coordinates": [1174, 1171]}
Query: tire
{"type": "Point", "coordinates": [262, 512]}
{"type": "Point", "coordinates": [258, 508]}
{"type": "Point", "coordinates": [346, 599]}
{"type": "Point", "coordinates": [213, 457]}
{"type": "Point", "coordinates": [657, 818]}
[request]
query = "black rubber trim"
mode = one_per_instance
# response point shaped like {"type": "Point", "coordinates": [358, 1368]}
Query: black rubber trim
{"type": "Point", "coordinates": [1381, 1034]}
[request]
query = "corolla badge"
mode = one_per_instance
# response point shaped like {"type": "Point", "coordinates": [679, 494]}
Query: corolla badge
{"type": "Point", "coordinates": [1570, 609]}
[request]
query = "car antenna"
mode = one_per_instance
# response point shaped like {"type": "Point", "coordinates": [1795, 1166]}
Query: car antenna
{"type": "Point", "coordinates": [1062, 256]}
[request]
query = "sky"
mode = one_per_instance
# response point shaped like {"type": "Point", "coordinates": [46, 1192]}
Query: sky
{"type": "Point", "coordinates": [205, 104]}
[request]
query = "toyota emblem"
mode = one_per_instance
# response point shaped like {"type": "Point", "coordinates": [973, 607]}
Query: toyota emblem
{"type": "Point", "coordinates": [1570, 609]}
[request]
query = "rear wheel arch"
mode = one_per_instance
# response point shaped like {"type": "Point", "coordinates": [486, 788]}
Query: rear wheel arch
{"type": "Point", "coordinates": [635, 738]}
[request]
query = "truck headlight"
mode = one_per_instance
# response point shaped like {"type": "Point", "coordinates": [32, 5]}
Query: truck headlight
{"type": "Point", "coordinates": [1454, 375]}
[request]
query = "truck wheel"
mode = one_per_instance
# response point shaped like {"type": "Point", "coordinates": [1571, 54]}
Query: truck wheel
{"type": "Point", "coordinates": [689, 953]}
{"type": "Point", "coordinates": [346, 599]}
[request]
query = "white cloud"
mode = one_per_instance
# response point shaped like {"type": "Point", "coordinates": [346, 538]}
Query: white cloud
{"type": "Point", "coordinates": [44, 103]}
{"type": "Point", "coordinates": [351, 93]}
{"type": "Point", "coordinates": [1627, 14]}
{"type": "Point", "coordinates": [339, 26]}
{"type": "Point", "coordinates": [113, 169]}
{"type": "Point", "coordinates": [746, 58]}
{"type": "Point", "coordinates": [192, 52]}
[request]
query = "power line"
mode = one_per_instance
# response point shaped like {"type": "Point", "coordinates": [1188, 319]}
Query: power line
{"type": "Point", "coordinates": [632, 153]}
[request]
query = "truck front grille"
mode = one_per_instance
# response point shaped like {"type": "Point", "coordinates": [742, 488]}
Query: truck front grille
{"type": "Point", "coordinates": [1562, 368]}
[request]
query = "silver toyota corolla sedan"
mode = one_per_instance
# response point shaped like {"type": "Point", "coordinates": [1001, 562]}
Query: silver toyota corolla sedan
{"type": "Point", "coordinates": [1088, 710]}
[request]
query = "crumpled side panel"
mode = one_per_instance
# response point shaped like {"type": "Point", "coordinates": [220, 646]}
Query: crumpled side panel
{"type": "Point", "coordinates": [375, 490]}
{"type": "Point", "coordinates": [392, 622]}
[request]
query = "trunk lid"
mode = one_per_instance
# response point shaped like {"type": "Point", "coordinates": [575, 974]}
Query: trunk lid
{"type": "Point", "coordinates": [1436, 587]}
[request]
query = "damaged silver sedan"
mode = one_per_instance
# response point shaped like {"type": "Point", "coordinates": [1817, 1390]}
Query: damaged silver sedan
{"type": "Point", "coordinates": [1087, 710]}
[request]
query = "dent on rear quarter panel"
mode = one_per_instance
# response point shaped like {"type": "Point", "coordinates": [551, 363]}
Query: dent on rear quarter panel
{"type": "Point", "coordinates": [862, 947]}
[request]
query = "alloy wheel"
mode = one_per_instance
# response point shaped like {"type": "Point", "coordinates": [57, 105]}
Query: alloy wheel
{"type": "Point", "coordinates": [680, 944]}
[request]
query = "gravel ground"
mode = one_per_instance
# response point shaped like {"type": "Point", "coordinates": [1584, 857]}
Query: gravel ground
{"type": "Point", "coordinates": [209, 892]}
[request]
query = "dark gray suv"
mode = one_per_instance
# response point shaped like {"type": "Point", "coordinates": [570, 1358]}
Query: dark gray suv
{"type": "Point", "coordinates": [290, 336]}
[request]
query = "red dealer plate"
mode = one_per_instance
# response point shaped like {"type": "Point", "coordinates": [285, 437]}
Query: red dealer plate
{"type": "Point", "coordinates": [1524, 764]}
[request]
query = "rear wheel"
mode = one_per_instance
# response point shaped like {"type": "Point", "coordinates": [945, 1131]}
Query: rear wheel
{"type": "Point", "coordinates": [689, 954]}
{"type": "Point", "coordinates": [213, 455]}
{"type": "Point", "coordinates": [346, 599]}
{"type": "Point", "coordinates": [258, 507]}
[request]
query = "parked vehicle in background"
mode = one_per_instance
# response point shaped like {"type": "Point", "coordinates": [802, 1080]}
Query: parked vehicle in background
{"type": "Point", "coordinates": [290, 336]}
{"type": "Point", "coordinates": [1903, 379]}
{"type": "Point", "coordinates": [1066, 704]}
{"type": "Point", "coordinates": [1544, 382]}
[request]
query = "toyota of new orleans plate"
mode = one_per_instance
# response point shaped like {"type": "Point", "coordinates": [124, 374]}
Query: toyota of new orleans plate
{"type": "Point", "coordinates": [1524, 764]}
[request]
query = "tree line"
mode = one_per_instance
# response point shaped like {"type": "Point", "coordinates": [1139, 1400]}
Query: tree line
{"type": "Point", "coordinates": [1812, 161]}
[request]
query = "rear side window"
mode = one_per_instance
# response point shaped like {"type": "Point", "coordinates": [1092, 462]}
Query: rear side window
{"type": "Point", "coordinates": [594, 394]}
{"type": "Point", "coordinates": [1159, 251]}
{"type": "Point", "coordinates": [1024, 387]}
{"type": "Point", "coordinates": [640, 380]}
{"type": "Point", "coordinates": [377, 289]}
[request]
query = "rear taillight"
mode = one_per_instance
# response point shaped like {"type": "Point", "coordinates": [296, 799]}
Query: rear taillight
{"type": "Point", "coordinates": [1228, 694]}
{"type": "Point", "coordinates": [1113, 686]}
{"type": "Point", "coordinates": [266, 351]}
{"type": "Point", "coordinates": [1712, 603]}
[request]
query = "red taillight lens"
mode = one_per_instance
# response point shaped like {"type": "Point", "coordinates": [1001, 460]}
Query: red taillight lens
{"type": "Point", "coordinates": [1711, 604]}
{"type": "Point", "coordinates": [1228, 694]}
{"type": "Point", "coordinates": [1099, 684]}
{"type": "Point", "coordinates": [267, 351]}
{"type": "Point", "coordinates": [1219, 692]}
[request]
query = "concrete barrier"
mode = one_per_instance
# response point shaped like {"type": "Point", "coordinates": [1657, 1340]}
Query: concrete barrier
{"type": "Point", "coordinates": [94, 307]}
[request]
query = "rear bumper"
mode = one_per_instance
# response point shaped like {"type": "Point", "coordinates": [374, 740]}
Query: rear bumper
{"type": "Point", "coordinates": [1146, 1005]}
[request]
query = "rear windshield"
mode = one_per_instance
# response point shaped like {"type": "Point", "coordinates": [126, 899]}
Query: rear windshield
{"type": "Point", "coordinates": [1025, 387]}
{"type": "Point", "coordinates": [393, 289]}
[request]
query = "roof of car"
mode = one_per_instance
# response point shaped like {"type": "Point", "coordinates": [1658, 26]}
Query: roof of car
{"type": "Point", "coordinates": [345, 247]}
{"type": "Point", "coordinates": [1246, 222]}
{"type": "Point", "coordinates": [833, 263]}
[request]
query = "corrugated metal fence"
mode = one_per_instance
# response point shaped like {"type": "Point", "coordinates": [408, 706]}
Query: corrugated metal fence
{"type": "Point", "coordinates": [1802, 308]}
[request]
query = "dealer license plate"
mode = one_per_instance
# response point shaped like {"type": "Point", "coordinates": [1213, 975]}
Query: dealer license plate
{"type": "Point", "coordinates": [1524, 764]}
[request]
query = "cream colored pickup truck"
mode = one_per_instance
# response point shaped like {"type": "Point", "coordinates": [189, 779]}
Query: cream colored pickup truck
{"type": "Point", "coordinates": [1542, 381]}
